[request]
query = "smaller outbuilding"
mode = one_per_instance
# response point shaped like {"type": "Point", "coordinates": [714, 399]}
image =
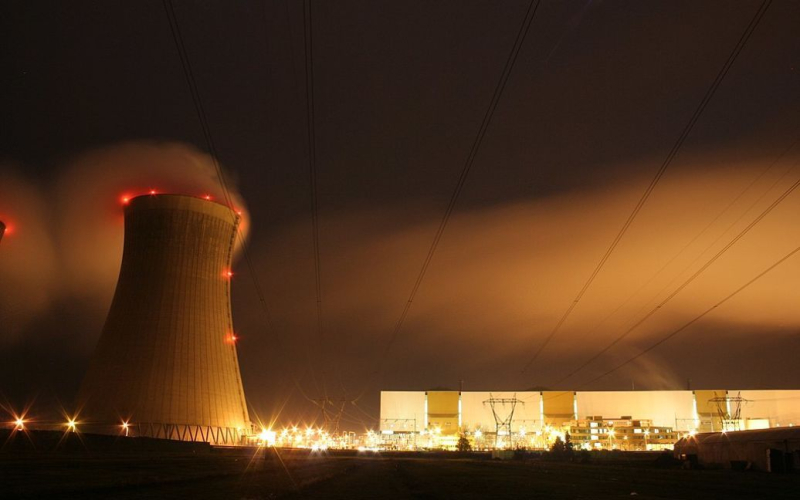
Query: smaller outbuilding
{"type": "Point", "coordinates": [771, 450]}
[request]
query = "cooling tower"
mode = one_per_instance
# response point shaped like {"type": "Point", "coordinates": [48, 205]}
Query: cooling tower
{"type": "Point", "coordinates": [166, 364]}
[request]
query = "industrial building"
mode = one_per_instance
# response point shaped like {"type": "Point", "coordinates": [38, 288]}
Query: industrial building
{"type": "Point", "coordinates": [771, 450]}
{"type": "Point", "coordinates": [166, 364]}
{"type": "Point", "coordinates": [628, 420]}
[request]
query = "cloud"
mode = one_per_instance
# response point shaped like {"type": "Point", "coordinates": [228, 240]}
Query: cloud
{"type": "Point", "coordinates": [27, 253]}
{"type": "Point", "coordinates": [503, 275]}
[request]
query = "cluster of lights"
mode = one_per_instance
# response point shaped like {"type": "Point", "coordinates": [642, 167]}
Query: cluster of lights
{"type": "Point", "coordinates": [316, 439]}
{"type": "Point", "coordinates": [267, 437]}
{"type": "Point", "coordinates": [126, 198]}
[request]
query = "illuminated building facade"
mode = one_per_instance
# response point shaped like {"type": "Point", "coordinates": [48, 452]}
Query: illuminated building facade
{"type": "Point", "coordinates": [166, 364]}
{"type": "Point", "coordinates": [595, 419]}
{"type": "Point", "coordinates": [622, 433]}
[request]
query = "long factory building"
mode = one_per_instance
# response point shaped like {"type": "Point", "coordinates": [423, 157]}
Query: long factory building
{"type": "Point", "coordinates": [594, 419]}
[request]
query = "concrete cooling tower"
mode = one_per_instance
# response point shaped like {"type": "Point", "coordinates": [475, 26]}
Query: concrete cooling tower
{"type": "Point", "coordinates": [166, 364]}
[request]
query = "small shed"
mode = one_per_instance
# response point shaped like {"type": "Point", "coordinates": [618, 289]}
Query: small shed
{"type": "Point", "coordinates": [771, 450]}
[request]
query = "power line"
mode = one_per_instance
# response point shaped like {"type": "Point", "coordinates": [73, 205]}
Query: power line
{"type": "Point", "coordinates": [696, 319]}
{"type": "Point", "coordinates": [476, 144]}
{"type": "Point", "coordinates": [312, 154]}
{"type": "Point", "coordinates": [688, 280]}
{"type": "Point", "coordinates": [698, 235]}
{"type": "Point", "coordinates": [203, 119]}
{"type": "Point", "coordinates": [659, 174]}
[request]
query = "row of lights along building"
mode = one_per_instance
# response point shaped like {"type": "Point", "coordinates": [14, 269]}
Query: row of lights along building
{"type": "Point", "coordinates": [623, 420]}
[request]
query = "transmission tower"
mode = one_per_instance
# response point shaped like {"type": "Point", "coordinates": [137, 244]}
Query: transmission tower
{"type": "Point", "coordinates": [729, 411]}
{"type": "Point", "coordinates": [503, 412]}
{"type": "Point", "coordinates": [331, 410]}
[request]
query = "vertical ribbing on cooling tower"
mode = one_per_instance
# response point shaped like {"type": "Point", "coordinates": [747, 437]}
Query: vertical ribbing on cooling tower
{"type": "Point", "coordinates": [165, 356]}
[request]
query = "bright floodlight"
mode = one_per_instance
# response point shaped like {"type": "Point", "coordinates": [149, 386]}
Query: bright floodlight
{"type": "Point", "coordinates": [267, 437]}
{"type": "Point", "coordinates": [71, 424]}
{"type": "Point", "coordinates": [20, 424]}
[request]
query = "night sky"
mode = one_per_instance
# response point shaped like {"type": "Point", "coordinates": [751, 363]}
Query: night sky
{"type": "Point", "coordinates": [95, 105]}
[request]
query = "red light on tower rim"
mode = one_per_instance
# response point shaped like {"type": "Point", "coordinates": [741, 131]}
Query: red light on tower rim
{"type": "Point", "coordinates": [232, 338]}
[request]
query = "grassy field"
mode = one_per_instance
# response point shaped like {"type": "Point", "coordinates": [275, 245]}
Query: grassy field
{"type": "Point", "coordinates": [251, 474]}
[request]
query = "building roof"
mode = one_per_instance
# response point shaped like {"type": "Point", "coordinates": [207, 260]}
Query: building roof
{"type": "Point", "coordinates": [774, 434]}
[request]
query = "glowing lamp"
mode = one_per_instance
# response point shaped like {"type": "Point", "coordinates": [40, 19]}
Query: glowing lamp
{"type": "Point", "coordinates": [267, 437]}
{"type": "Point", "coordinates": [20, 424]}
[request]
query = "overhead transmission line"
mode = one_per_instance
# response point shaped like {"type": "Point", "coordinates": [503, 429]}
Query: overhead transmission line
{"type": "Point", "coordinates": [699, 234]}
{"type": "Point", "coordinates": [659, 174]}
{"type": "Point", "coordinates": [693, 321]}
{"type": "Point", "coordinates": [312, 154]}
{"type": "Point", "coordinates": [212, 149]}
{"type": "Point", "coordinates": [473, 152]}
{"type": "Point", "coordinates": [203, 119]}
{"type": "Point", "coordinates": [689, 280]}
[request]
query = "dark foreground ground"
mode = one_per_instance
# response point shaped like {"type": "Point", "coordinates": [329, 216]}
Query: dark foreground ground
{"type": "Point", "coordinates": [80, 471]}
